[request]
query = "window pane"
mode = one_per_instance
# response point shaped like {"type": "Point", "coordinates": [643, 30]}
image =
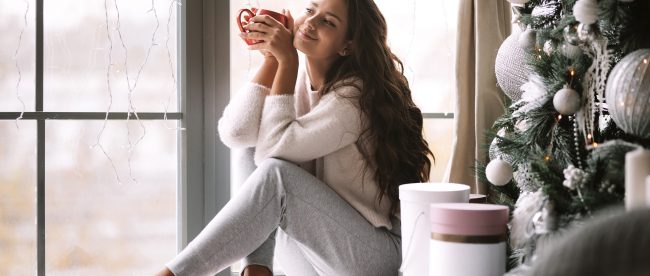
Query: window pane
{"type": "Point", "coordinates": [96, 225]}
{"type": "Point", "coordinates": [82, 58]}
{"type": "Point", "coordinates": [423, 35]}
{"type": "Point", "coordinates": [438, 133]}
{"type": "Point", "coordinates": [17, 198]}
{"type": "Point", "coordinates": [17, 55]}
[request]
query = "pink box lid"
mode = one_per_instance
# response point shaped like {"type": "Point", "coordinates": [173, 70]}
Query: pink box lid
{"type": "Point", "coordinates": [468, 218]}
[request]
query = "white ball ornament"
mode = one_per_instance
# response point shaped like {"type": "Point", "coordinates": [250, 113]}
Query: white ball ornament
{"type": "Point", "coordinates": [498, 172]}
{"type": "Point", "coordinates": [566, 101]}
{"type": "Point", "coordinates": [628, 93]}
{"type": "Point", "coordinates": [586, 11]}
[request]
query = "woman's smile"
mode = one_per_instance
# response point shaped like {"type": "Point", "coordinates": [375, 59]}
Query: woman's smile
{"type": "Point", "coordinates": [305, 36]}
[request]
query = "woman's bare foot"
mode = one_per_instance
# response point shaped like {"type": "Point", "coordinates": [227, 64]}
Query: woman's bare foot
{"type": "Point", "coordinates": [165, 272]}
{"type": "Point", "coordinates": [256, 270]}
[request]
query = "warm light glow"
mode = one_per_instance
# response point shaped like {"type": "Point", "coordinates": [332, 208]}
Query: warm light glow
{"type": "Point", "coordinates": [573, 73]}
{"type": "Point", "coordinates": [539, 56]}
{"type": "Point", "coordinates": [547, 158]}
{"type": "Point", "coordinates": [559, 117]}
{"type": "Point", "coordinates": [589, 136]}
{"type": "Point", "coordinates": [595, 144]}
{"type": "Point", "coordinates": [645, 61]}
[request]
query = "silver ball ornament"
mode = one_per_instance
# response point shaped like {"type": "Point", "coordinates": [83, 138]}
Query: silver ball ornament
{"type": "Point", "coordinates": [566, 101]}
{"type": "Point", "coordinates": [495, 152]}
{"type": "Point", "coordinates": [571, 51]}
{"type": "Point", "coordinates": [587, 33]}
{"type": "Point", "coordinates": [628, 93]}
{"type": "Point", "coordinates": [498, 172]}
{"type": "Point", "coordinates": [525, 178]}
{"type": "Point", "coordinates": [571, 35]}
{"type": "Point", "coordinates": [511, 67]}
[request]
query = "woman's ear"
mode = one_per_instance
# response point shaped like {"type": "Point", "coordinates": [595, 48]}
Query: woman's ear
{"type": "Point", "coordinates": [347, 49]}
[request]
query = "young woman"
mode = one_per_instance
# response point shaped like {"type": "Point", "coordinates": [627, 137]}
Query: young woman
{"type": "Point", "coordinates": [333, 142]}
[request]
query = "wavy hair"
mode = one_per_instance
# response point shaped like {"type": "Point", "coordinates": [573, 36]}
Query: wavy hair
{"type": "Point", "coordinates": [392, 123]}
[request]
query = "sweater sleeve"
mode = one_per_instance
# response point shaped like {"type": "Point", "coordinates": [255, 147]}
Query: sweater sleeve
{"type": "Point", "coordinates": [331, 125]}
{"type": "Point", "coordinates": [239, 124]}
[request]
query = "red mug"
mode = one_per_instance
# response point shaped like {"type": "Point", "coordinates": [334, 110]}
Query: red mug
{"type": "Point", "coordinates": [254, 12]}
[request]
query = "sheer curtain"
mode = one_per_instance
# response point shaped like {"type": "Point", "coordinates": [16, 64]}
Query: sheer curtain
{"type": "Point", "coordinates": [482, 27]}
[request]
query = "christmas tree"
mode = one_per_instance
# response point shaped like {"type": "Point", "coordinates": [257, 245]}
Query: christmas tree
{"type": "Point", "coordinates": [577, 74]}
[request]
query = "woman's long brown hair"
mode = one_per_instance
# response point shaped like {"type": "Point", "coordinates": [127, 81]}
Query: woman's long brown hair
{"type": "Point", "coordinates": [392, 123]}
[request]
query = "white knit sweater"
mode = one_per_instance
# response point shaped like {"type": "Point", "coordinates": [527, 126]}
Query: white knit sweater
{"type": "Point", "coordinates": [319, 134]}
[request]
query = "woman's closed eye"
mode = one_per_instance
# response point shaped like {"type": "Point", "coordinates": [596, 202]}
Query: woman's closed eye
{"type": "Point", "coordinates": [329, 23]}
{"type": "Point", "coordinates": [325, 21]}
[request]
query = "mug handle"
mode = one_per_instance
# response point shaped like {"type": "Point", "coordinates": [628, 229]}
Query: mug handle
{"type": "Point", "coordinates": [239, 21]}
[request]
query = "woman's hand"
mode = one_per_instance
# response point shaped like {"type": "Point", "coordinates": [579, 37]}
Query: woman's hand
{"type": "Point", "coordinates": [277, 40]}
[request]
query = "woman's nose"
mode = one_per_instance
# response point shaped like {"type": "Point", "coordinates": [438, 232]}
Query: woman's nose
{"type": "Point", "coordinates": [310, 23]}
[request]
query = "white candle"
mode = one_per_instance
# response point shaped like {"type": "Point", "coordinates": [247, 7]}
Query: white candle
{"type": "Point", "coordinates": [637, 168]}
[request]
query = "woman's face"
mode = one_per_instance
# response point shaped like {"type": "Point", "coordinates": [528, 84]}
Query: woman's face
{"type": "Point", "coordinates": [320, 30]}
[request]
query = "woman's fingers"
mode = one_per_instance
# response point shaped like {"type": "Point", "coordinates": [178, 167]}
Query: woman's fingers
{"type": "Point", "coordinates": [289, 21]}
{"type": "Point", "coordinates": [253, 35]}
{"type": "Point", "coordinates": [258, 27]}
{"type": "Point", "coordinates": [268, 20]}
{"type": "Point", "coordinates": [262, 46]}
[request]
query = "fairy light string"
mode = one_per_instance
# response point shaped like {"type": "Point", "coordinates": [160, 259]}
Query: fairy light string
{"type": "Point", "coordinates": [131, 86]}
{"type": "Point", "coordinates": [170, 62]}
{"type": "Point", "coordinates": [109, 88]}
{"type": "Point", "coordinates": [17, 64]}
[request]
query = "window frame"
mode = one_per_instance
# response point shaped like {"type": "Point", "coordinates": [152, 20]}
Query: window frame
{"type": "Point", "coordinates": [203, 84]}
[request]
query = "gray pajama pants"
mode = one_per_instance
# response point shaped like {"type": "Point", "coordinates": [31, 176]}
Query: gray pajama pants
{"type": "Point", "coordinates": [313, 230]}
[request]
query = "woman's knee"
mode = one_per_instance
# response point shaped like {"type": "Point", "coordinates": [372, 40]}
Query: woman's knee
{"type": "Point", "coordinates": [274, 164]}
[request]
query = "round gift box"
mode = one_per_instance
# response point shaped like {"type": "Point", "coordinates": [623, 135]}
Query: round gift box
{"type": "Point", "coordinates": [467, 239]}
{"type": "Point", "coordinates": [415, 201]}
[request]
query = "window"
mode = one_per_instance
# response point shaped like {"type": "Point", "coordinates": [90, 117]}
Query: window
{"type": "Point", "coordinates": [87, 187]}
{"type": "Point", "coordinates": [422, 33]}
